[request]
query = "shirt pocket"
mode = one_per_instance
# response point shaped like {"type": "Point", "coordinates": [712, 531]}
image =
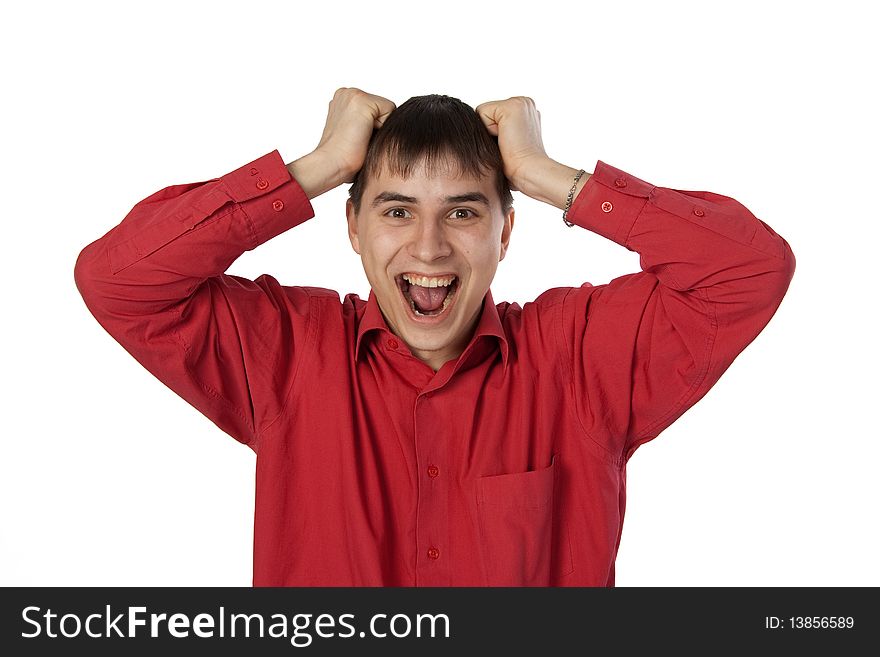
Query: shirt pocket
{"type": "Point", "coordinates": [515, 513]}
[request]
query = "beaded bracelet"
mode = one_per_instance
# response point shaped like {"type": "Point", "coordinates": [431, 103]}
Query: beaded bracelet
{"type": "Point", "coordinates": [571, 198]}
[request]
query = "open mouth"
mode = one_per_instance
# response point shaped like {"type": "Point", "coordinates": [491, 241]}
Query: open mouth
{"type": "Point", "coordinates": [428, 296]}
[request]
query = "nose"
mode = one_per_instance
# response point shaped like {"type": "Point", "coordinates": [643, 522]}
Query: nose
{"type": "Point", "coordinates": [429, 241]}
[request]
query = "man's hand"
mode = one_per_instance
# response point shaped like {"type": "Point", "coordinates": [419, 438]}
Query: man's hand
{"type": "Point", "coordinates": [351, 118]}
{"type": "Point", "coordinates": [517, 124]}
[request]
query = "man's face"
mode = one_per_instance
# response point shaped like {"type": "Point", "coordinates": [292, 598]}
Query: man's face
{"type": "Point", "coordinates": [429, 256]}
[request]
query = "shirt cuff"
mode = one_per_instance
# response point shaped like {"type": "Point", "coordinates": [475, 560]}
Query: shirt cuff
{"type": "Point", "coordinates": [271, 198]}
{"type": "Point", "coordinates": [610, 202]}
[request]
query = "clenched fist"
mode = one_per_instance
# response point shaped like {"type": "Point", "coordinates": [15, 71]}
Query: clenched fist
{"type": "Point", "coordinates": [517, 124]}
{"type": "Point", "coordinates": [351, 118]}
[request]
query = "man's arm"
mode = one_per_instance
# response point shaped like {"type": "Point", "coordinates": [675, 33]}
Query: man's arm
{"type": "Point", "coordinates": [155, 282]}
{"type": "Point", "coordinates": [228, 345]}
{"type": "Point", "coordinates": [647, 346]}
{"type": "Point", "coordinates": [316, 173]}
{"type": "Point", "coordinates": [550, 182]}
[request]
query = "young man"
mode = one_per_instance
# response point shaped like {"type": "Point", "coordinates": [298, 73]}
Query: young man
{"type": "Point", "coordinates": [428, 436]}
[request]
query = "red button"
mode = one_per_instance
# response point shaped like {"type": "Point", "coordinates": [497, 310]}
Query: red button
{"type": "Point", "coordinates": [392, 344]}
{"type": "Point", "coordinates": [699, 212]}
{"type": "Point", "coordinates": [254, 172]}
{"type": "Point", "coordinates": [620, 182]}
{"type": "Point", "coordinates": [278, 205]}
{"type": "Point", "coordinates": [607, 207]}
{"type": "Point", "coordinates": [433, 553]}
{"type": "Point", "coordinates": [262, 184]}
{"type": "Point", "coordinates": [433, 471]}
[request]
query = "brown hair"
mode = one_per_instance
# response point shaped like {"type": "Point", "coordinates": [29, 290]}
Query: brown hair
{"type": "Point", "coordinates": [439, 130]}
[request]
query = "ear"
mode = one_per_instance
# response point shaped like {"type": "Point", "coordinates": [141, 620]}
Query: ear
{"type": "Point", "coordinates": [505, 233]}
{"type": "Point", "coordinates": [351, 217]}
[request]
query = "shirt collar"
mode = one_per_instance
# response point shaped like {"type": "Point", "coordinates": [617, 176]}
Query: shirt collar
{"type": "Point", "coordinates": [488, 325]}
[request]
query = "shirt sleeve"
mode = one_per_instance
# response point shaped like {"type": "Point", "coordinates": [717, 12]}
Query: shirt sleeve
{"type": "Point", "coordinates": [647, 346]}
{"type": "Point", "coordinates": [227, 345]}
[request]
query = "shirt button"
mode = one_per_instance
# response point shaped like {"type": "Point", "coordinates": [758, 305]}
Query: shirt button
{"type": "Point", "coordinates": [392, 344]}
{"type": "Point", "coordinates": [262, 184]}
{"type": "Point", "coordinates": [620, 182]}
{"type": "Point", "coordinates": [278, 205]}
{"type": "Point", "coordinates": [699, 212]}
{"type": "Point", "coordinates": [433, 553]}
{"type": "Point", "coordinates": [254, 171]}
{"type": "Point", "coordinates": [607, 207]}
{"type": "Point", "coordinates": [433, 471]}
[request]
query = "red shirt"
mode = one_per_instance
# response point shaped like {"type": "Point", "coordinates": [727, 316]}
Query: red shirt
{"type": "Point", "coordinates": [505, 467]}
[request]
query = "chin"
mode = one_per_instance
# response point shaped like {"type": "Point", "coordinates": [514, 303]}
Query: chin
{"type": "Point", "coordinates": [428, 340]}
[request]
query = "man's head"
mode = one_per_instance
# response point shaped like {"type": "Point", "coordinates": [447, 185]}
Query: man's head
{"type": "Point", "coordinates": [431, 200]}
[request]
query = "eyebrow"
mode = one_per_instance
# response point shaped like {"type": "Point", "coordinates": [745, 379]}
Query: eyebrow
{"type": "Point", "coordinates": [474, 197]}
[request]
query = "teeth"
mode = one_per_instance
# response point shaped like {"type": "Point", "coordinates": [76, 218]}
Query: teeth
{"type": "Point", "coordinates": [425, 281]}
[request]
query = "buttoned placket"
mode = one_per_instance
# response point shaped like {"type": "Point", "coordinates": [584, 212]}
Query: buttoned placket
{"type": "Point", "coordinates": [433, 565]}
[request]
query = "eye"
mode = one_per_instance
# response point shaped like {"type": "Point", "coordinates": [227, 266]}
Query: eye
{"type": "Point", "coordinates": [470, 213]}
{"type": "Point", "coordinates": [396, 216]}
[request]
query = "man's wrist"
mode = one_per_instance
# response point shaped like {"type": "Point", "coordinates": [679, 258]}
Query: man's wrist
{"type": "Point", "coordinates": [550, 181]}
{"type": "Point", "coordinates": [316, 173]}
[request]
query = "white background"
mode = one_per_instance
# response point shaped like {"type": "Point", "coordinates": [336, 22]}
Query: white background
{"type": "Point", "coordinates": [108, 478]}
